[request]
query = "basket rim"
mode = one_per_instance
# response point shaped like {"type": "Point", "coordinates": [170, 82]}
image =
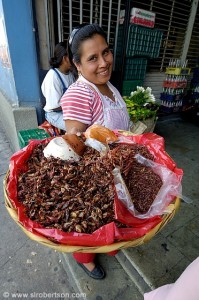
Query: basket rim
{"type": "Point", "coordinates": [173, 207]}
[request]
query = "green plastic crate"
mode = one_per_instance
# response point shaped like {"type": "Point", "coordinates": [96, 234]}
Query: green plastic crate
{"type": "Point", "coordinates": [134, 69]}
{"type": "Point", "coordinates": [130, 86]}
{"type": "Point", "coordinates": [31, 134]}
{"type": "Point", "coordinates": [143, 41]}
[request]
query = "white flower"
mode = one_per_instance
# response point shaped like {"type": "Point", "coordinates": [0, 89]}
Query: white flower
{"type": "Point", "coordinates": [148, 89]}
{"type": "Point", "coordinates": [133, 93]}
{"type": "Point", "coordinates": [142, 93]}
{"type": "Point", "coordinates": [140, 89]}
{"type": "Point", "coordinates": [152, 98]}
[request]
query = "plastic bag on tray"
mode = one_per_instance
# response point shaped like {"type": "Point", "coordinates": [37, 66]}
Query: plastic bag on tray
{"type": "Point", "coordinates": [155, 145]}
{"type": "Point", "coordinates": [171, 187]}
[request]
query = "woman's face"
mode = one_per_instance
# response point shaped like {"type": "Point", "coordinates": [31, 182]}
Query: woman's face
{"type": "Point", "coordinates": [96, 60]}
{"type": "Point", "coordinates": [66, 65]}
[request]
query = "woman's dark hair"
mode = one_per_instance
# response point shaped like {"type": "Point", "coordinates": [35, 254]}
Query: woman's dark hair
{"type": "Point", "coordinates": [80, 34]}
{"type": "Point", "coordinates": [59, 52]}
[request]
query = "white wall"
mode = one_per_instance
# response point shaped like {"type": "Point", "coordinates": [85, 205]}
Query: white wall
{"type": "Point", "coordinates": [155, 80]}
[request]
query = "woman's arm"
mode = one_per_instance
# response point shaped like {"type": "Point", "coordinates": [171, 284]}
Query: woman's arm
{"type": "Point", "coordinates": [81, 107]}
{"type": "Point", "coordinates": [73, 126]}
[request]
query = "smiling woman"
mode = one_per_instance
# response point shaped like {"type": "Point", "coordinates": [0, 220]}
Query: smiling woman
{"type": "Point", "coordinates": [92, 98]}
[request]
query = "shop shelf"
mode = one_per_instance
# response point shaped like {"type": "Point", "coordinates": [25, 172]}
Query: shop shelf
{"type": "Point", "coordinates": [178, 71]}
{"type": "Point", "coordinates": [130, 86]}
{"type": "Point", "coordinates": [171, 97]}
{"type": "Point", "coordinates": [175, 84]}
{"type": "Point", "coordinates": [31, 134]}
{"type": "Point", "coordinates": [167, 97]}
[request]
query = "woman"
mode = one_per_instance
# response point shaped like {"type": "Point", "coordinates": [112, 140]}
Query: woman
{"type": "Point", "coordinates": [92, 99]}
{"type": "Point", "coordinates": [55, 83]}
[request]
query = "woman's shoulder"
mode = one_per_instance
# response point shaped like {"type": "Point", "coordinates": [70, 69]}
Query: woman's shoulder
{"type": "Point", "coordinates": [80, 86]}
{"type": "Point", "coordinates": [50, 75]}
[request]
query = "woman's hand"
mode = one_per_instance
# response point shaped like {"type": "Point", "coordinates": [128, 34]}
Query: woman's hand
{"type": "Point", "coordinates": [75, 127]}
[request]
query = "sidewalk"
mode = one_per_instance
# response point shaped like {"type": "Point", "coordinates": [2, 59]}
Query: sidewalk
{"type": "Point", "coordinates": [28, 267]}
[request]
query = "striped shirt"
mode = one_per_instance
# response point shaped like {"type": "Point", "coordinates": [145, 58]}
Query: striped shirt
{"type": "Point", "coordinates": [83, 104]}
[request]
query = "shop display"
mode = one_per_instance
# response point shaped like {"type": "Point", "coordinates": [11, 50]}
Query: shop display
{"type": "Point", "coordinates": [174, 86]}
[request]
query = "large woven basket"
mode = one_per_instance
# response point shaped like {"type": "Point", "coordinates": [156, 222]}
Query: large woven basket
{"type": "Point", "coordinates": [171, 210]}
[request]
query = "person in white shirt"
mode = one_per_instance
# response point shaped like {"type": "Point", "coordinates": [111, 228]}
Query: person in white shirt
{"type": "Point", "coordinates": [55, 83]}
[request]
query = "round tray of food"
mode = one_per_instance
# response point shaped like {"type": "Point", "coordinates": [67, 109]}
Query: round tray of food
{"type": "Point", "coordinates": [100, 192]}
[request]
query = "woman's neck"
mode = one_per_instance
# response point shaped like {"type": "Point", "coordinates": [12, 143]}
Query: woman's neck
{"type": "Point", "coordinates": [102, 88]}
{"type": "Point", "coordinates": [63, 69]}
{"type": "Point", "coordinates": [105, 90]}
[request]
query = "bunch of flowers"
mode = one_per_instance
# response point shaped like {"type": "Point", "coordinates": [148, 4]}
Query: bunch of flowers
{"type": "Point", "coordinates": [141, 104]}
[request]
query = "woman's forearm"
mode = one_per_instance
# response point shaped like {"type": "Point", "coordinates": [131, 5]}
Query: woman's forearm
{"type": "Point", "coordinates": [73, 126]}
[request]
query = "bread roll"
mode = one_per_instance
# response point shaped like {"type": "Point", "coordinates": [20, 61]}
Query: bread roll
{"type": "Point", "coordinates": [101, 133]}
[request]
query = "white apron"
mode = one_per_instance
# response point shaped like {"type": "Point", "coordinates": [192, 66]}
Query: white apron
{"type": "Point", "coordinates": [115, 113]}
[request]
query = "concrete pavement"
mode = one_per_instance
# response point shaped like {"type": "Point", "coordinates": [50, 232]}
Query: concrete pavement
{"type": "Point", "coordinates": [28, 267]}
